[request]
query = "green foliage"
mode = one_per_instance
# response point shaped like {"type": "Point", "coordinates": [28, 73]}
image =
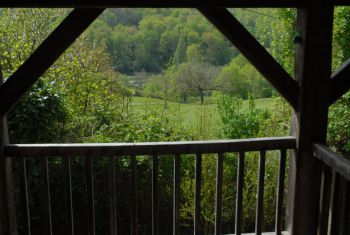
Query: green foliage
{"type": "Point", "coordinates": [40, 116]}
{"type": "Point", "coordinates": [237, 122]}
{"type": "Point", "coordinates": [180, 52]}
{"type": "Point", "coordinates": [239, 78]}
{"type": "Point", "coordinates": [283, 43]}
{"type": "Point", "coordinates": [339, 122]}
{"type": "Point", "coordinates": [339, 125]}
{"type": "Point", "coordinates": [341, 36]}
{"type": "Point", "coordinates": [148, 40]}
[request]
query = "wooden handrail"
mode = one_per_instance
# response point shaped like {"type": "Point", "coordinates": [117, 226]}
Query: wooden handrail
{"type": "Point", "coordinates": [154, 150]}
{"type": "Point", "coordinates": [150, 148]}
{"type": "Point", "coordinates": [335, 161]}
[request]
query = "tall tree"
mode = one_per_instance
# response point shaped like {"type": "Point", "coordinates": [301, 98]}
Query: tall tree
{"type": "Point", "coordinates": [198, 77]}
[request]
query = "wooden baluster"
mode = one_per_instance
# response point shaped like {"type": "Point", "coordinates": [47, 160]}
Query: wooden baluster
{"type": "Point", "coordinates": [69, 198]}
{"type": "Point", "coordinates": [197, 194]}
{"type": "Point", "coordinates": [176, 194]}
{"type": "Point", "coordinates": [45, 198]}
{"type": "Point", "coordinates": [155, 195]}
{"type": "Point", "coordinates": [325, 194]}
{"type": "Point", "coordinates": [260, 203]}
{"type": "Point", "coordinates": [90, 194]}
{"type": "Point", "coordinates": [280, 191]}
{"type": "Point", "coordinates": [133, 195]}
{"type": "Point", "coordinates": [112, 197]}
{"type": "Point", "coordinates": [24, 194]}
{"type": "Point", "coordinates": [239, 194]}
{"type": "Point", "coordinates": [218, 204]}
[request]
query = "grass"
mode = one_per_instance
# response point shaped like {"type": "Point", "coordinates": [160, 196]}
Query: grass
{"type": "Point", "coordinates": [192, 115]}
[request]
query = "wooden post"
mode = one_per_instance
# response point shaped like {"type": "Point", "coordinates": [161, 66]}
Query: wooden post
{"type": "Point", "coordinates": [7, 210]}
{"type": "Point", "coordinates": [309, 123]}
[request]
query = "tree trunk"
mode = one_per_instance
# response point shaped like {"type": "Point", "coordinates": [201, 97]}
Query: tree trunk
{"type": "Point", "coordinates": [202, 97]}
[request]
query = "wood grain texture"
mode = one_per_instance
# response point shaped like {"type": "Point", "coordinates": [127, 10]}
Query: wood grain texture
{"type": "Point", "coordinates": [336, 162]}
{"type": "Point", "coordinates": [340, 82]}
{"type": "Point", "coordinates": [309, 122]}
{"type": "Point", "coordinates": [150, 148]}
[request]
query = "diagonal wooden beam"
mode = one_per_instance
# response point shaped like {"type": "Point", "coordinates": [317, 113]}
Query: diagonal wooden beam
{"type": "Point", "coordinates": [152, 3]}
{"type": "Point", "coordinates": [45, 55]}
{"type": "Point", "coordinates": [340, 82]}
{"type": "Point", "coordinates": [229, 26]}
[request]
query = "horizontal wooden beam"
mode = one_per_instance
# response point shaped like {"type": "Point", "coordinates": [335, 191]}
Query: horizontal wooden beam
{"type": "Point", "coordinates": [335, 161]}
{"type": "Point", "coordinates": [151, 3]}
{"type": "Point", "coordinates": [45, 55]}
{"type": "Point", "coordinates": [340, 82]}
{"type": "Point", "coordinates": [341, 2]}
{"type": "Point", "coordinates": [149, 148]}
{"type": "Point", "coordinates": [260, 58]}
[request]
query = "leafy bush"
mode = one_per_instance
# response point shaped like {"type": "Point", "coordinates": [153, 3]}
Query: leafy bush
{"type": "Point", "coordinates": [239, 122]}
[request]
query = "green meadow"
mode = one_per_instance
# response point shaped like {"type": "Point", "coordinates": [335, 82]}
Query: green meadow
{"type": "Point", "coordinates": [191, 115]}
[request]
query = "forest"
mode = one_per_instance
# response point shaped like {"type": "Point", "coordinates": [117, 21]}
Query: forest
{"type": "Point", "coordinates": [141, 75]}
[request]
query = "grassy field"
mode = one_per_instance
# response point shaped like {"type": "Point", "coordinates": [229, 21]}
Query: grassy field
{"type": "Point", "coordinates": [193, 115]}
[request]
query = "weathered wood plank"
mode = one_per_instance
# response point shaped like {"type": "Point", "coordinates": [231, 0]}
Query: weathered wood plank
{"type": "Point", "coordinates": [90, 196]}
{"type": "Point", "coordinates": [309, 123]}
{"type": "Point", "coordinates": [335, 161]}
{"type": "Point", "coordinates": [258, 56]}
{"type": "Point", "coordinates": [239, 195]}
{"type": "Point", "coordinates": [340, 211]}
{"type": "Point", "coordinates": [325, 197]}
{"type": "Point", "coordinates": [133, 198]}
{"type": "Point", "coordinates": [155, 166]}
{"type": "Point", "coordinates": [176, 196]}
{"type": "Point", "coordinates": [340, 82]}
{"type": "Point", "coordinates": [150, 148]}
{"type": "Point", "coordinates": [23, 190]}
{"type": "Point", "coordinates": [45, 55]}
{"type": "Point", "coordinates": [7, 204]}
{"type": "Point", "coordinates": [68, 195]}
{"type": "Point", "coordinates": [280, 191]}
{"type": "Point", "coordinates": [46, 218]}
{"type": "Point", "coordinates": [112, 197]}
{"type": "Point", "coordinates": [153, 3]}
{"type": "Point", "coordinates": [218, 199]}
{"type": "Point", "coordinates": [332, 205]}
{"type": "Point", "coordinates": [197, 194]}
{"type": "Point", "coordinates": [259, 219]}
{"type": "Point", "coordinates": [341, 2]}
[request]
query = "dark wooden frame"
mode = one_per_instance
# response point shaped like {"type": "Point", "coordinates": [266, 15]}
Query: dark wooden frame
{"type": "Point", "coordinates": [310, 96]}
{"type": "Point", "coordinates": [309, 123]}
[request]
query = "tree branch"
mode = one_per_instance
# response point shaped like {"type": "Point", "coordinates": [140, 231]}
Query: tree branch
{"type": "Point", "coordinates": [46, 54]}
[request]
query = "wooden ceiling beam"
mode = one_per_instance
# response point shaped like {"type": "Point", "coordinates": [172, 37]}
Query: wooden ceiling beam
{"type": "Point", "coordinates": [340, 82]}
{"type": "Point", "coordinates": [341, 2]}
{"type": "Point", "coordinates": [258, 56]}
{"type": "Point", "coordinates": [45, 55]}
{"type": "Point", "coordinates": [151, 3]}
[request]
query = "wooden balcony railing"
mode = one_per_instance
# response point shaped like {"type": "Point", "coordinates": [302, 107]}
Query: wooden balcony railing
{"type": "Point", "coordinates": [334, 210]}
{"type": "Point", "coordinates": [154, 150]}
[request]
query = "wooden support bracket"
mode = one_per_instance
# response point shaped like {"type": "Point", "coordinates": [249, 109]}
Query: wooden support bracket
{"type": "Point", "coordinates": [340, 82]}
